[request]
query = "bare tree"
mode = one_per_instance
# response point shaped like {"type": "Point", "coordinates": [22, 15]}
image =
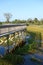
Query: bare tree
{"type": "Point", "coordinates": [7, 16]}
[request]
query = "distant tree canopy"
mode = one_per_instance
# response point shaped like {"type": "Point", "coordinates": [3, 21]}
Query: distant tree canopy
{"type": "Point", "coordinates": [36, 21]}
{"type": "Point", "coordinates": [0, 23]}
{"type": "Point", "coordinates": [29, 20]}
{"type": "Point", "coordinates": [41, 21]}
{"type": "Point", "coordinates": [17, 21]}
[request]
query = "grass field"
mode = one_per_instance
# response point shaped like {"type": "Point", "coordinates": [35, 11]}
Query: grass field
{"type": "Point", "coordinates": [36, 29]}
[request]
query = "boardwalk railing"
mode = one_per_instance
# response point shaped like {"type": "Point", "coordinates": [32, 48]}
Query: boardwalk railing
{"type": "Point", "coordinates": [8, 29]}
{"type": "Point", "coordinates": [5, 31]}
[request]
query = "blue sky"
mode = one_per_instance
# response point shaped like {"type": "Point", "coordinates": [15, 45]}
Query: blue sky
{"type": "Point", "coordinates": [21, 9]}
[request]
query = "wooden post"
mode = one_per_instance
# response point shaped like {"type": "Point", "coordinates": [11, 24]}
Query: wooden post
{"type": "Point", "coordinates": [14, 37]}
{"type": "Point", "coordinates": [8, 43]}
{"type": "Point", "coordinates": [21, 33]}
{"type": "Point", "coordinates": [18, 36]}
{"type": "Point", "coordinates": [0, 31]}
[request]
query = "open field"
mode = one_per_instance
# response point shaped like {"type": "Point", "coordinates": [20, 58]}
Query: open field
{"type": "Point", "coordinates": [36, 29]}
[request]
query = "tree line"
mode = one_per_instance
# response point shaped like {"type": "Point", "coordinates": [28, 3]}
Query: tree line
{"type": "Point", "coordinates": [28, 21]}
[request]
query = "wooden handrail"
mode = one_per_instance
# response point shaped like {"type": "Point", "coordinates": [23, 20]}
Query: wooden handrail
{"type": "Point", "coordinates": [11, 25]}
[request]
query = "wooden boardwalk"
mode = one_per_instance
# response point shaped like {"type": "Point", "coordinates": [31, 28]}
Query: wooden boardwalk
{"type": "Point", "coordinates": [9, 29]}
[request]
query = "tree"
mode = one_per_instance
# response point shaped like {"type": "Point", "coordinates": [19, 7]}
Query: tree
{"type": "Point", "coordinates": [7, 16]}
{"type": "Point", "coordinates": [41, 21]}
{"type": "Point", "coordinates": [29, 20]}
{"type": "Point", "coordinates": [0, 23]}
{"type": "Point", "coordinates": [36, 21]}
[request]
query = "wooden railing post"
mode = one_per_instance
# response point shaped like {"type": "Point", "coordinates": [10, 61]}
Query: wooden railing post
{"type": "Point", "coordinates": [8, 43]}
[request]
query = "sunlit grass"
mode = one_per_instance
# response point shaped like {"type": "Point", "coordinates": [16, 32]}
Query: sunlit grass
{"type": "Point", "coordinates": [36, 29]}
